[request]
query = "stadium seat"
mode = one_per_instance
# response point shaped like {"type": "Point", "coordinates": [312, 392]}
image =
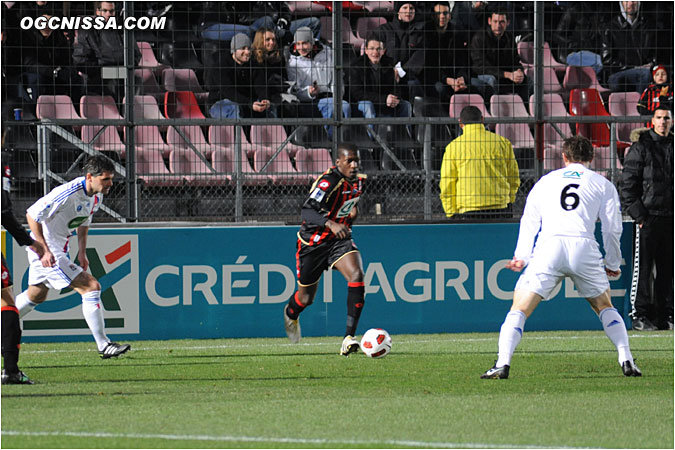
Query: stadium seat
{"type": "Point", "coordinates": [56, 107]}
{"type": "Point", "coordinates": [365, 25]}
{"type": "Point", "coordinates": [146, 83]}
{"type": "Point", "coordinates": [182, 105]}
{"type": "Point", "coordinates": [272, 136]}
{"type": "Point", "coordinates": [551, 83]}
{"type": "Point", "coordinates": [148, 59]}
{"type": "Point", "coordinates": [180, 55]}
{"type": "Point", "coordinates": [526, 53]}
{"type": "Point", "coordinates": [582, 77]}
{"type": "Point", "coordinates": [279, 170]}
{"type": "Point", "coordinates": [348, 36]}
{"type": "Point", "coordinates": [194, 136]}
{"type": "Point", "coordinates": [107, 141]}
{"type": "Point", "coordinates": [183, 80]}
{"type": "Point", "coordinates": [587, 102]}
{"type": "Point", "coordinates": [99, 107]}
{"type": "Point", "coordinates": [149, 137]}
{"type": "Point", "coordinates": [459, 101]}
{"type": "Point", "coordinates": [511, 105]}
{"type": "Point", "coordinates": [151, 169]}
{"type": "Point", "coordinates": [313, 161]}
{"type": "Point", "coordinates": [306, 8]}
{"type": "Point", "coordinates": [185, 162]}
{"type": "Point", "coordinates": [223, 136]}
{"type": "Point", "coordinates": [378, 6]}
{"type": "Point", "coordinates": [223, 159]}
{"type": "Point", "coordinates": [624, 104]}
{"type": "Point", "coordinates": [146, 108]}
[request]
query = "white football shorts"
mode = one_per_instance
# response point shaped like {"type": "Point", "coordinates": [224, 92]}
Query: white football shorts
{"type": "Point", "coordinates": [57, 277]}
{"type": "Point", "coordinates": [559, 257]}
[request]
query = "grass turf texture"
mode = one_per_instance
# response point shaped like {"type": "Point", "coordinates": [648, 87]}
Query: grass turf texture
{"type": "Point", "coordinates": [565, 390]}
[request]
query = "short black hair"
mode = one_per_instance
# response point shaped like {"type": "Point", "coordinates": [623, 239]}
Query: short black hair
{"type": "Point", "coordinates": [345, 148]}
{"type": "Point", "coordinates": [98, 164]}
{"type": "Point", "coordinates": [374, 36]}
{"type": "Point", "coordinates": [578, 149]}
{"type": "Point", "coordinates": [470, 114]}
{"type": "Point", "coordinates": [664, 107]}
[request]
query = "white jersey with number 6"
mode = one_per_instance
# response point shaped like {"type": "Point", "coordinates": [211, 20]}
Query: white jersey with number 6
{"type": "Point", "coordinates": [567, 203]}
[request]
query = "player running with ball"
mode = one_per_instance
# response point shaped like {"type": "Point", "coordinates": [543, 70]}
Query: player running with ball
{"type": "Point", "coordinates": [325, 242]}
{"type": "Point", "coordinates": [561, 212]}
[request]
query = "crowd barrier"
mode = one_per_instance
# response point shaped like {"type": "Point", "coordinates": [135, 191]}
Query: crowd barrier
{"type": "Point", "coordinates": [232, 282]}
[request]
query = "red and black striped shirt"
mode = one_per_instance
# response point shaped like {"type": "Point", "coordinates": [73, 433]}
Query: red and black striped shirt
{"type": "Point", "coordinates": [654, 96]}
{"type": "Point", "coordinates": [332, 197]}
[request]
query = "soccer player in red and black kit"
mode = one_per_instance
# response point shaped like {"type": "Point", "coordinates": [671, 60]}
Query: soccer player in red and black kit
{"type": "Point", "coordinates": [325, 242]}
{"type": "Point", "coordinates": [11, 328]}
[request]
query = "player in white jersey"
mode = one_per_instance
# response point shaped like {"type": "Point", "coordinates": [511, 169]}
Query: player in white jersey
{"type": "Point", "coordinates": [561, 212]}
{"type": "Point", "coordinates": [52, 220]}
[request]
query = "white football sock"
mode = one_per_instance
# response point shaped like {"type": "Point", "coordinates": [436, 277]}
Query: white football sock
{"type": "Point", "coordinates": [509, 336]}
{"type": "Point", "coordinates": [615, 329]}
{"type": "Point", "coordinates": [93, 314]}
{"type": "Point", "coordinates": [23, 304]}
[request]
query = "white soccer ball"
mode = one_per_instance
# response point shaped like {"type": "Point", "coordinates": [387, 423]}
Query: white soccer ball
{"type": "Point", "coordinates": [376, 343]}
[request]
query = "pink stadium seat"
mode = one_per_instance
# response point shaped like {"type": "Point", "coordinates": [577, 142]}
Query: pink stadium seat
{"type": "Point", "coordinates": [149, 137]}
{"type": "Point", "coordinates": [108, 141]}
{"type": "Point", "coordinates": [582, 77]}
{"type": "Point", "coordinates": [279, 170]}
{"type": "Point", "coordinates": [306, 7]}
{"type": "Point", "coordinates": [365, 25]}
{"type": "Point", "coordinates": [185, 162]}
{"type": "Point", "coordinates": [348, 36]}
{"type": "Point", "coordinates": [526, 53]}
{"type": "Point", "coordinates": [551, 83]}
{"type": "Point", "coordinates": [146, 107]}
{"type": "Point", "coordinates": [313, 161]}
{"type": "Point", "coordinates": [223, 136]}
{"type": "Point", "coordinates": [56, 107]}
{"type": "Point", "coordinates": [99, 107]}
{"type": "Point", "coordinates": [223, 159]}
{"type": "Point", "coordinates": [151, 169]}
{"type": "Point", "coordinates": [148, 59]}
{"type": "Point", "coordinates": [194, 135]}
{"type": "Point", "coordinates": [553, 106]}
{"type": "Point", "coordinates": [511, 105]}
{"type": "Point", "coordinates": [553, 158]}
{"type": "Point", "coordinates": [624, 104]}
{"type": "Point", "coordinates": [183, 80]}
{"type": "Point", "coordinates": [146, 83]}
{"type": "Point", "coordinates": [378, 6]}
{"type": "Point", "coordinates": [459, 101]}
{"type": "Point", "coordinates": [272, 136]}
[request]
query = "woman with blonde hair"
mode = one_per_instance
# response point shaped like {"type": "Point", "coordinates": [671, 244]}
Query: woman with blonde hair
{"type": "Point", "coordinates": [266, 55]}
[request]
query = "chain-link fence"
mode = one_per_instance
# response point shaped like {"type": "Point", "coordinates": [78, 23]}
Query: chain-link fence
{"type": "Point", "coordinates": [227, 113]}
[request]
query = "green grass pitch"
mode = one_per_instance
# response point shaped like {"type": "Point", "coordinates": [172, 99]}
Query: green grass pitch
{"type": "Point", "coordinates": [566, 390]}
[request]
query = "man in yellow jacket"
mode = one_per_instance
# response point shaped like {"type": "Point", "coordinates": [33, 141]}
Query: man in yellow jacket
{"type": "Point", "coordinates": [479, 173]}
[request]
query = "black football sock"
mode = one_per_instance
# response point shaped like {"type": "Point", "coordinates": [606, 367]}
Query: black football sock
{"type": "Point", "coordinates": [294, 307]}
{"type": "Point", "coordinates": [355, 301]}
{"type": "Point", "coordinates": [11, 338]}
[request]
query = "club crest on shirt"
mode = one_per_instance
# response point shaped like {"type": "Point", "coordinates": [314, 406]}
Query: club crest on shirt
{"type": "Point", "coordinates": [324, 185]}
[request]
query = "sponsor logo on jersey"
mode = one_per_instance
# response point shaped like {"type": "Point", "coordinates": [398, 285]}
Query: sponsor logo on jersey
{"type": "Point", "coordinates": [77, 221]}
{"type": "Point", "coordinates": [318, 194]}
{"type": "Point", "coordinates": [572, 174]}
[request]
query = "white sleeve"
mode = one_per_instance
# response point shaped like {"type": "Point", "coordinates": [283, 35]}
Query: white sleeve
{"type": "Point", "coordinates": [610, 219]}
{"type": "Point", "coordinates": [530, 224]}
{"type": "Point", "coordinates": [47, 206]}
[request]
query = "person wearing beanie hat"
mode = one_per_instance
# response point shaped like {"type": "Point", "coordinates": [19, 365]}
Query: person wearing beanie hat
{"type": "Point", "coordinates": [310, 71]}
{"type": "Point", "coordinates": [659, 93]}
{"type": "Point", "coordinates": [235, 89]}
{"type": "Point", "coordinates": [404, 40]}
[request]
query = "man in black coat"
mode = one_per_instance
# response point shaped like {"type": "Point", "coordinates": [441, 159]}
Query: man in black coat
{"type": "Point", "coordinates": [446, 58]}
{"type": "Point", "coordinates": [495, 61]}
{"type": "Point", "coordinates": [647, 195]}
{"type": "Point", "coordinates": [372, 83]}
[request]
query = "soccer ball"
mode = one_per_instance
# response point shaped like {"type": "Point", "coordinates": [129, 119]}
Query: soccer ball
{"type": "Point", "coordinates": [376, 343]}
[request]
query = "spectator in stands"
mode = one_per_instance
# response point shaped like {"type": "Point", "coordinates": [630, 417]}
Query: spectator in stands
{"type": "Point", "coordinates": [11, 33]}
{"type": "Point", "coordinates": [235, 89]}
{"type": "Point", "coordinates": [222, 20]}
{"type": "Point", "coordinates": [647, 196]}
{"type": "Point", "coordinates": [446, 58]}
{"type": "Point", "coordinates": [310, 70]}
{"type": "Point", "coordinates": [578, 35]}
{"type": "Point", "coordinates": [495, 61]}
{"type": "Point", "coordinates": [659, 93]}
{"type": "Point", "coordinates": [404, 42]}
{"type": "Point", "coordinates": [629, 49]}
{"type": "Point", "coordinates": [46, 56]}
{"type": "Point", "coordinates": [469, 17]}
{"type": "Point", "coordinates": [373, 86]}
{"type": "Point", "coordinates": [94, 49]}
{"type": "Point", "coordinates": [268, 61]}
{"type": "Point", "coordinates": [479, 173]}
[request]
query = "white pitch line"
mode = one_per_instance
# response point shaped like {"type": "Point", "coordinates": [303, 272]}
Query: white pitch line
{"type": "Point", "coordinates": [319, 344]}
{"type": "Point", "coordinates": [287, 440]}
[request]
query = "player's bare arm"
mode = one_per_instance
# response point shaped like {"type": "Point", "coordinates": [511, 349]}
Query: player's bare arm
{"type": "Point", "coordinates": [47, 258]}
{"type": "Point", "coordinates": [82, 247]}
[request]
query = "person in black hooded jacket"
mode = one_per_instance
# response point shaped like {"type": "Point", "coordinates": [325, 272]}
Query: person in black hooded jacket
{"type": "Point", "coordinates": [647, 196]}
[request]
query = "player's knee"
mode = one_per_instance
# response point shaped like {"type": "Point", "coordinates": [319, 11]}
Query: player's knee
{"type": "Point", "coordinates": [356, 276]}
